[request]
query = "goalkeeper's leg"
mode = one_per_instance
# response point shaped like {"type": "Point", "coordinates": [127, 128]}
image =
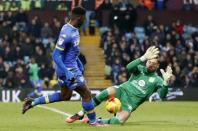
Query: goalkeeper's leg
{"type": "Point", "coordinates": [120, 118]}
{"type": "Point", "coordinates": [109, 92]}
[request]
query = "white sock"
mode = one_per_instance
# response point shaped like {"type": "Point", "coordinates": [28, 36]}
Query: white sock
{"type": "Point", "coordinates": [81, 113]}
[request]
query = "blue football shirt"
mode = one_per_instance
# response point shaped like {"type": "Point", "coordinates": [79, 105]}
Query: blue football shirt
{"type": "Point", "coordinates": [68, 43]}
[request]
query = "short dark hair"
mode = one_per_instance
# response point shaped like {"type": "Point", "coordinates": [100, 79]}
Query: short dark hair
{"type": "Point", "coordinates": [78, 11]}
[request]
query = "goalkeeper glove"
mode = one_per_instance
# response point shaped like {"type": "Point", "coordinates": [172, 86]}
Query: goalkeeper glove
{"type": "Point", "coordinates": [166, 75]}
{"type": "Point", "coordinates": [151, 53]}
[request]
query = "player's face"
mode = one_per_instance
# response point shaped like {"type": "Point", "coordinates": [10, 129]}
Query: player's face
{"type": "Point", "coordinates": [81, 21]}
{"type": "Point", "coordinates": [152, 65]}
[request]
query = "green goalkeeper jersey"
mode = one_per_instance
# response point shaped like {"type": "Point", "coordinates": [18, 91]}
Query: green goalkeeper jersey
{"type": "Point", "coordinates": [142, 83]}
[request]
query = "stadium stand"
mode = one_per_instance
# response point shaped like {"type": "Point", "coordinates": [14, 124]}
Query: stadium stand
{"type": "Point", "coordinates": [177, 42]}
{"type": "Point", "coordinates": [22, 40]}
{"type": "Point", "coordinates": [24, 35]}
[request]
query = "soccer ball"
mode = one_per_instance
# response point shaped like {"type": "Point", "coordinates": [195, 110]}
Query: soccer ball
{"type": "Point", "coordinates": [113, 105]}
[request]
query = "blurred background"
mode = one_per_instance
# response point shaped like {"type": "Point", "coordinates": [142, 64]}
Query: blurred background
{"type": "Point", "coordinates": [115, 32]}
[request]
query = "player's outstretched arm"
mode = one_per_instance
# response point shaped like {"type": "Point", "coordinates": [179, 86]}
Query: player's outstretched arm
{"type": "Point", "coordinates": [151, 53]}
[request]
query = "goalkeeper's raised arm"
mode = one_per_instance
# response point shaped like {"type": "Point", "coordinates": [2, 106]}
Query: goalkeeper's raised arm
{"type": "Point", "coordinates": [151, 53]}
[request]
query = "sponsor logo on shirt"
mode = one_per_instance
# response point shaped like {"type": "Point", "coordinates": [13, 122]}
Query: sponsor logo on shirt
{"type": "Point", "coordinates": [151, 79]}
{"type": "Point", "coordinates": [76, 43]}
{"type": "Point", "coordinates": [139, 85]}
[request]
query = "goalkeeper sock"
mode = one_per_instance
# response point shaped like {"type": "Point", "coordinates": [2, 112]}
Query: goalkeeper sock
{"type": "Point", "coordinates": [101, 97]}
{"type": "Point", "coordinates": [47, 99]}
{"type": "Point", "coordinates": [112, 120]}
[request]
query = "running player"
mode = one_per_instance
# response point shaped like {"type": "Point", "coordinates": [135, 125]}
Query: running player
{"type": "Point", "coordinates": [68, 69]}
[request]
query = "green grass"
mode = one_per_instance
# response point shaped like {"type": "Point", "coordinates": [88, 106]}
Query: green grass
{"type": "Point", "coordinates": [165, 116]}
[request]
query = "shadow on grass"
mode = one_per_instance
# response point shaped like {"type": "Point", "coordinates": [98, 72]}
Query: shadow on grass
{"type": "Point", "coordinates": [152, 123]}
{"type": "Point", "coordinates": [160, 124]}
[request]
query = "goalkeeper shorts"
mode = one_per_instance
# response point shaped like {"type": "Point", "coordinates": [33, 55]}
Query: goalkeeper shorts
{"type": "Point", "coordinates": [126, 101]}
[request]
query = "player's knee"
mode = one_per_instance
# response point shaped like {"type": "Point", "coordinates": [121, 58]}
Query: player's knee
{"type": "Point", "coordinates": [111, 91]}
{"type": "Point", "coordinates": [121, 121]}
{"type": "Point", "coordinates": [122, 116]}
{"type": "Point", "coordinates": [86, 95]}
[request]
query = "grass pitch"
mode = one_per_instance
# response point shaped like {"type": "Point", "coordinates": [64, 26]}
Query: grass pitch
{"type": "Point", "coordinates": [163, 116]}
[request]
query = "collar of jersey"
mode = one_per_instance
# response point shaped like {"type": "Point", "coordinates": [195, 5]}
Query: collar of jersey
{"type": "Point", "coordinates": [148, 73]}
{"type": "Point", "coordinates": [72, 26]}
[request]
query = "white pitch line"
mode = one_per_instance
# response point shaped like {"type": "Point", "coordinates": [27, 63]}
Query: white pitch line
{"type": "Point", "coordinates": [55, 110]}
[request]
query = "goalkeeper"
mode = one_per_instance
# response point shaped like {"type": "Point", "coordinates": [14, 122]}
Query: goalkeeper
{"type": "Point", "coordinates": [143, 82]}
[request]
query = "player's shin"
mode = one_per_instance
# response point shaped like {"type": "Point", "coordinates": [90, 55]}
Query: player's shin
{"type": "Point", "coordinates": [47, 99]}
{"type": "Point", "coordinates": [89, 108]}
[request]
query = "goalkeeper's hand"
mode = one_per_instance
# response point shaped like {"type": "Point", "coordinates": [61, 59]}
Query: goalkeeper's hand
{"type": "Point", "coordinates": [151, 53]}
{"type": "Point", "coordinates": [166, 75]}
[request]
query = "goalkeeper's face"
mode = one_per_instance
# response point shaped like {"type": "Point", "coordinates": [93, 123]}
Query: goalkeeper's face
{"type": "Point", "coordinates": [152, 65]}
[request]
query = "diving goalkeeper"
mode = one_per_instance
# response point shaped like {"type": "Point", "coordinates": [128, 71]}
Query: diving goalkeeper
{"type": "Point", "coordinates": [143, 82]}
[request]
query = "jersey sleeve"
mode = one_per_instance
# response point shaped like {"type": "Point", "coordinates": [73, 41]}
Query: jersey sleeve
{"type": "Point", "coordinates": [62, 41]}
{"type": "Point", "coordinates": [134, 66]}
{"type": "Point", "coordinates": [162, 90]}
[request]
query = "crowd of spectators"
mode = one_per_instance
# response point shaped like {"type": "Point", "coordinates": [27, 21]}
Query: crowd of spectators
{"type": "Point", "coordinates": [187, 5]}
{"type": "Point", "coordinates": [28, 5]}
{"type": "Point", "coordinates": [178, 44]}
{"type": "Point", "coordinates": [25, 50]}
{"type": "Point", "coordinates": [124, 13]}
{"type": "Point", "coordinates": [21, 41]}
